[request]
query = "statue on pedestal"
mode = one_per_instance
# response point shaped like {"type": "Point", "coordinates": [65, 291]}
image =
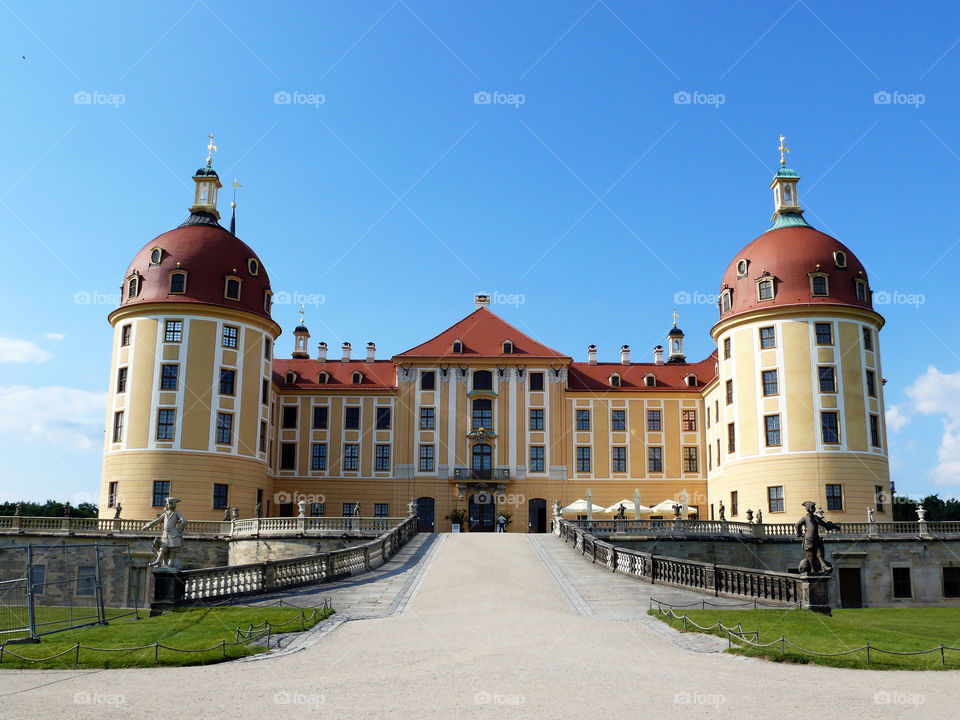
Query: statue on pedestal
{"type": "Point", "coordinates": [356, 509]}
{"type": "Point", "coordinates": [226, 514]}
{"type": "Point", "coordinates": [621, 513]}
{"type": "Point", "coordinates": [236, 513]}
{"type": "Point", "coordinates": [921, 513]}
{"type": "Point", "coordinates": [302, 507]}
{"type": "Point", "coordinates": [759, 517]}
{"type": "Point", "coordinates": [870, 517]}
{"type": "Point", "coordinates": [749, 516]}
{"type": "Point", "coordinates": [18, 511]}
{"type": "Point", "coordinates": [171, 540]}
{"type": "Point", "coordinates": [809, 528]}
{"type": "Point", "coordinates": [117, 510]}
{"type": "Point", "coordinates": [723, 512]}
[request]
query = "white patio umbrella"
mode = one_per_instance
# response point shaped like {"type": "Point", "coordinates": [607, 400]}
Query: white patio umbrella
{"type": "Point", "coordinates": [580, 506]}
{"type": "Point", "coordinates": [666, 507]}
{"type": "Point", "coordinates": [629, 505]}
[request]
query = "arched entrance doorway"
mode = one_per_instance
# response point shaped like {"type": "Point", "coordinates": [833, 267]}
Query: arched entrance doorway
{"type": "Point", "coordinates": [482, 511]}
{"type": "Point", "coordinates": [538, 515]}
{"type": "Point", "coordinates": [425, 514]}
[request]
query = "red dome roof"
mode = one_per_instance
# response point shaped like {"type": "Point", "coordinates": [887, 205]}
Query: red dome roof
{"type": "Point", "coordinates": [789, 255]}
{"type": "Point", "coordinates": [209, 254]}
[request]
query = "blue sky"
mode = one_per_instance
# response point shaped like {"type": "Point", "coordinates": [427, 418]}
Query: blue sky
{"type": "Point", "coordinates": [585, 196]}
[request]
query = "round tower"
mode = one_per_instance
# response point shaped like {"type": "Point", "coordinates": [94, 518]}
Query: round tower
{"type": "Point", "coordinates": [798, 407]}
{"type": "Point", "coordinates": [191, 371]}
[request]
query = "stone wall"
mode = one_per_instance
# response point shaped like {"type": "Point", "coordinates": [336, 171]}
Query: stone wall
{"type": "Point", "coordinates": [244, 551]}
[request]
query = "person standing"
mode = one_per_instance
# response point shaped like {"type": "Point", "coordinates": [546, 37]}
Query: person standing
{"type": "Point", "coordinates": [501, 524]}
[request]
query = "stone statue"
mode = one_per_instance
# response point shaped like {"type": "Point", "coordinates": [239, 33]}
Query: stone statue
{"type": "Point", "coordinates": [117, 510]}
{"type": "Point", "coordinates": [66, 510]}
{"type": "Point", "coordinates": [19, 509]}
{"type": "Point", "coordinates": [621, 513]}
{"type": "Point", "coordinates": [921, 513]}
{"type": "Point", "coordinates": [676, 512]}
{"type": "Point", "coordinates": [171, 540]}
{"type": "Point", "coordinates": [759, 517]}
{"type": "Point", "coordinates": [870, 517]}
{"type": "Point", "coordinates": [302, 507]}
{"type": "Point", "coordinates": [809, 528]}
{"type": "Point", "coordinates": [557, 508]}
{"type": "Point", "coordinates": [723, 512]}
{"type": "Point", "coordinates": [226, 514]}
{"type": "Point", "coordinates": [749, 516]}
{"type": "Point", "coordinates": [259, 510]}
{"type": "Point", "coordinates": [236, 513]}
{"type": "Point", "coordinates": [412, 507]}
{"type": "Point", "coordinates": [356, 509]}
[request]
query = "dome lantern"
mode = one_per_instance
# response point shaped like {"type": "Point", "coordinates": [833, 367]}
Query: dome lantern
{"type": "Point", "coordinates": [301, 335]}
{"type": "Point", "coordinates": [675, 342]}
{"type": "Point", "coordinates": [787, 210]}
{"type": "Point", "coordinates": [208, 182]}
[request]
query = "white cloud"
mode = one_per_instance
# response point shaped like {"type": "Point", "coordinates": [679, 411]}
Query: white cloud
{"type": "Point", "coordinates": [21, 351]}
{"type": "Point", "coordinates": [57, 416]}
{"type": "Point", "coordinates": [937, 393]}
{"type": "Point", "coordinates": [898, 416]}
{"type": "Point", "coordinates": [55, 336]}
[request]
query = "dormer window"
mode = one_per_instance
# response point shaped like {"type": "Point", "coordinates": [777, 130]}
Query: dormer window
{"type": "Point", "coordinates": [357, 377]}
{"type": "Point", "coordinates": [231, 288]}
{"type": "Point", "coordinates": [861, 287]}
{"type": "Point", "coordinates": [691, 380]}
{"type": "Point", "coordinates": [178, 283]}
{"type": "Point", "coordinates": [819, 286]}
{"type": "Point", "coordinates": [156, 255]}
{"type": "Point", "coordinates": [290, 377]}
{"type": "Point", "coordinates": [323, 378]}
{"type": "Point", "coordinates": [458, 347]}
{"type": "Point", "coordinates": [615, 380]}
{"type": "Point", "coordinates": [507, 347]}
{"type": "Point", "coordinates": [726, 301]}
{"type": "Point", "coordinates": [133, 287]}
{"type": "Point", "coordinates": [267, 300]}
{"type": "Point", "coordinates": [253, 267]}
{"type": "Point", "coordinates": [742, 266]}
{"type": "Point", "coordinates": [765, 289]}
{"type": "Point", "coordinates": [650, 380]}
{"type": "Point", "coordinates": [840, 258]}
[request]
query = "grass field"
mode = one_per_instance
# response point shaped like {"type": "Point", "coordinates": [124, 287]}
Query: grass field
{"type": "Point", "coordinates": [896, 629]}
{"type": "Point", "coordinates": [188, 629]}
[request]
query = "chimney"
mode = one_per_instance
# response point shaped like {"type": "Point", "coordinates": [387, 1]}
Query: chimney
{"type": "Point", "coordinates": [322, 352]}
{"type": "Point", "coordinates": [371, 351]}
{"type": "Point", "coordinates": [592, 354]}
{"type": "Point", "coordinates": [481, 300]}
{"type": "Point", "coordinates": [625, 355]}
{"type": "Point", "coordinates": [658, 355]}
{"type": "Point", "coordinates": [346, 353]}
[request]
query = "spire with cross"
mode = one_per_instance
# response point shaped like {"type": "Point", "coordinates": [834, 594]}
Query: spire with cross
{"type": "Point", "coordinates": [676, 316]}
{"type": "Point", "coordinates": [211, 149]}
{"type": "Point", "coordinates": [783, 149]}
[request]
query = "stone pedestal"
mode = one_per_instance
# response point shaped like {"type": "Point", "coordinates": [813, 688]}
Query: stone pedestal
{"type": "Point", "coordinates": [815, 593]}
{"type": "Point", "coordinates": [168, 590]}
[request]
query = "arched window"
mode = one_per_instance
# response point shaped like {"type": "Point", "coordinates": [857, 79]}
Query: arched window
{"type": "Point", "coordinates": [357, 377]}
{"type": "Point", "coordinates": [818, 285]}
{"type": "Point", "coordinates": [178, 283]}
{"type": "Point", "coordinates": [231, 289]}
{"type": "Point", "coordinates": [482, 380]}
{"type": "Point", "coordinates": [323, 378]}
{"type": "Point", "coordinates": [267, 300]}
{"type": "Point", "coordinates": [507, 347]}
{"type": "Point", "coordinates": [726, 301]}
{"type": "Point", "coordinates": [482, 461]}
{"type": "Point", "coordinates": [861, 290]}
{"type": "Point", "coordinates": [765, 289]}
{"type": "Point", "coordinates": [458, 346]}
{"type": "Point", "coordinates": [482, 413]}
{"type": "Point", "coordinates": [615, 380]}
{"type": "Point", "coordinates": [691, 380]}
{"type": "Point", "coordinates": [650, 380]}
{"type": "Point", "coordinates": [291, 377]}
{"type": "Point", "coordinates": [133, 288]}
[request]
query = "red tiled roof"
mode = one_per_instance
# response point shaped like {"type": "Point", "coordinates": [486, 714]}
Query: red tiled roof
{"type": "Point", "coordinates": [482, 334]}
{"type": "Point", "coordinates": [378, 375]}
{"type": "Point", "coordinates": [596, 378]}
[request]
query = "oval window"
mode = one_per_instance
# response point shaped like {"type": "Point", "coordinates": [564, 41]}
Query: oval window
{"type": "Point", "coordinates": [155, 256]}
{"type": "Point", "coordinates": [253, 266]}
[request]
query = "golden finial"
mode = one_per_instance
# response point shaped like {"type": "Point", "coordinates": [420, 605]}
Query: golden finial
{"type": "Point", "coordinates": [783, 149]}
{"type": "Point", "coordinates": [301, 314]}
{"type": "Point", "coordinates": [235, 186]}
{"type": "Point", "coordinates": [676, 315]}
{"type": "Point", "coordinates": [211, 149]}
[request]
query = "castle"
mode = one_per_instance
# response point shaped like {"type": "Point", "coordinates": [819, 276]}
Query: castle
{"type": "Point", "coordinates": [482, 417]}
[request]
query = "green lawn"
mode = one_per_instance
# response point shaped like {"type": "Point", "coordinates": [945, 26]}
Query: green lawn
{"type": "Point", "coordinates": [50, 618]}
{"type": "Point", "coordinates": [897, 629]}
{"type": "Point", "coordinates": [187, 629]}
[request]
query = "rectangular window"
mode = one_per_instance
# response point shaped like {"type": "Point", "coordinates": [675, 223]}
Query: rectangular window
{"type": "Point", "coordinates": [768, 338]}
{"type": "Point", "coordinates": [161, 491]}
{"type": "Point", "coordinates": [834, 497]}
{"type": "Point", "coordinates": [830, 427]}
{"type": "Point", "coordinates": [351, 457]}
{"type": "Point", "coordinates": [263, 436]}
{"type": "Point", "coordinates": [867, 339]}
{"type": "Point", "coordinates": [878, 497]}
{"type": "Point", "coordinates": [619, 459]}
{"type": "Point", "coordinates": [224, 428]}
{"type": "Point", "coordinates": [875, 430]}
{"type": "Point", "coordinates": [691, 462]}
{"type": "Point", "coordinates": [266, 348]}
{"type": "Point", "coordinates": [726, 348]}
{"type": "Point", "coordinates": [819, 285]}
{"type": "Point", "coordinates": [382, 457]}
{"type": "Point", "coordinates": [118, 426]}
{"type": "Point", "coordinates": [265, 392]}
{"type": "Point", "coordinates": [731, 438]}
{"type": "Point", "coordinates": [688, 420]}
{"type": "Point", "coordinates": [381, 510]}
{"type": "Point", "coordinates": [775, 498]}
{"type": "Point", "coordinates": [709, 457]}
{"type": "Point", "coordinates": [536, 419]}
{"type": "Point", "coordinates": [951, 582]}
{"type": "Point", "coordinates": [824, 333]}
{"type": "Point", "coordinates": [536, 382]}
{"type": "Point", "coordinates": [125, 335]}
{"type": "Point", "coordinates": [351, 418]}
{"type": "Point", "coordinates": [349, 509]}
{"type": "Point", "coordinates": [828, 378]}
{"type": "Point", "coordinates": [219, 496]}
{"type": "Point", "coordinates": [729, 393]}
{"type": "Point", "coordinates": [536, 458]}
{"type": "Point", "coordinates": [173, 331]}
{"type": "Point", "coordinates": [169, 375]}
{"type": "Point", "coordinates": [165, 422]}
{"type": "Point", "coordinates": [765, 290]}
{"type": "Point", "coordinates": [583, 459]}
{"type": "Point", "coordinates": [708, 417]}
{"type": "Point", "coordinates": [320, 417]}
{"type": "Point", "coordinates": [653, 421]}
{"type": "Point", "coordinates": [229, 336]}
{"type": "Point", "coordinates": [618, 420]}
{"type": "Point", "coordinates": [772, 430]}
{"type": "Point", "coordinates": [771, 385]}
{"type": "Point", "coordinates": [901, 582]}
{"type": "Point", "coordinates": [112, 494]}
{"type": "Point", "coordinates": [317, 509]}
{"type": "Point", "coordinates": [426, 458]}
{"type": "Point", "coordinates": [733, 504]}
{"type": "Point", "coordinates": [121, 380]}
{"type": "Point", "coordinates": [655, 459]}
{"type": "Point", "coordinates": [718, 452]}
{"type": "Point", "coordinates": [383, 418]}
{"type": "Point", "coordinates": [288, 416]}
{"type": "Point", "coordinates": [288, 456]}
{"type": "Point", "coordinates": [227, 381]}
{"type": "Point", "coordinates": [427, 418]}
{"type": "Point", "coordinates": [871, 384]}
{"type": "Point", "coordinates": [318, 457]}
{"type": "Point", "coordinates": [428, 380]}
{"type": "Point", "coordinates": [583, 419]}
